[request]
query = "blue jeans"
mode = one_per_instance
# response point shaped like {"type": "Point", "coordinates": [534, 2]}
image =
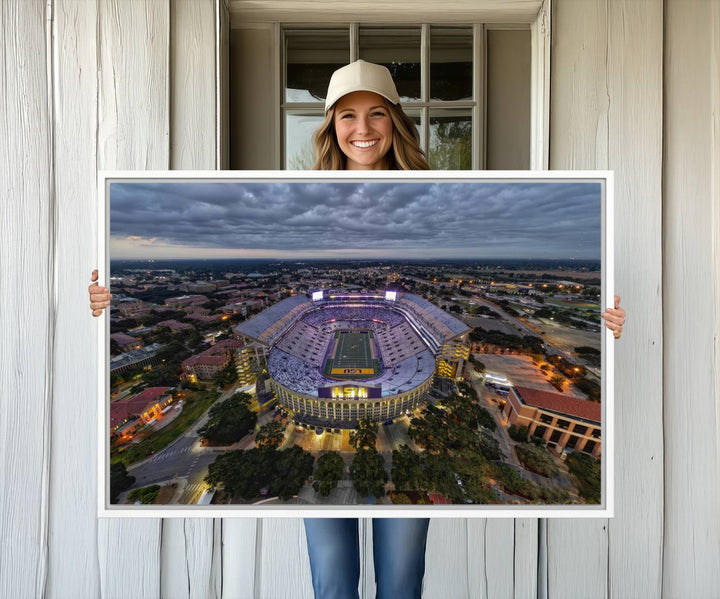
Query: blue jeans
{"type": "Point", "coordinates": [398, 552]}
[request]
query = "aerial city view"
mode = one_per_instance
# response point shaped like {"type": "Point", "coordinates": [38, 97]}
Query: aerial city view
{"type": "Point", "coordinates": [355, 343]}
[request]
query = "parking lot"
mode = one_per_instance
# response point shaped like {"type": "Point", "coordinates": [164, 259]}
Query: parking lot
{"type": "Point", "coordinates": [520, 370]}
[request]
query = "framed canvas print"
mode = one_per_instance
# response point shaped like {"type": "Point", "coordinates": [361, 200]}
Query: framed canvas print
{"type": "Point", "coordinates": [396, 343]}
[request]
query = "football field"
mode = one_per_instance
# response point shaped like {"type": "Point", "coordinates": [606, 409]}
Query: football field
{"type": "Point", "coordinates": [353, 355]}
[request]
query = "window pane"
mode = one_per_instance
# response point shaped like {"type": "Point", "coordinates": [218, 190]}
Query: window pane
{"type": "Point", "coordinates": [451, 55]}
{"type": "Point", "coordinates": [450, 139]}
{"type": "Point", "coordinates": [311, 58]}
{"type": "Point", "coordinates": [299, 150]}
{"type": "Point", "coordinates": [398, 50]}
{"type": "Point", "coordinates": [415, 116]}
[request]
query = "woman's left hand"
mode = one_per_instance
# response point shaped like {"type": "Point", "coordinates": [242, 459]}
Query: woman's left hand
{"type": "Point", "coordinates": [615, 318]}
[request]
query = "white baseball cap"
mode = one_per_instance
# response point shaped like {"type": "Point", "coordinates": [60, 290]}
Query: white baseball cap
{"type": "Point", "coordinates": [361, 76]}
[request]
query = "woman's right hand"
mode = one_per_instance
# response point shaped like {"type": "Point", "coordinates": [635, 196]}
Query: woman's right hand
{"type": "Point", "coordinates": [99, 296]}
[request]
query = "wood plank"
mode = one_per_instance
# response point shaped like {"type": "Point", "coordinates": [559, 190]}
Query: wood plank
{"type": "Point", "coordinates": [447, 559]}
{"type": "Point", "coordinates": [635, 86]}
{"type": "Point", "coordinates": [240, 556]}
{"type": "Point", "coordinates": [133, 130]}
{"type": "Point", "coordinates": [133, 133]}
{"type": "Point", "coordinates": [187, 558]}
{"type": "Point", "coordinates": [27, 316]}
{"type": "Point", "coordinates": [72, 544]}
{"type": "Point", "coordinates": [190, 567]}
{"type": "Point", "coordinates": [490, 548]}
{"type": "Point", "coordinates": [329, 11]}
{"type": "Point", "coordinates": [193, 85]}
{"type": "Point", "coordinates": [607, 79]}
{"type": "Point", "coordinates": [282, 567]}
{"type": "Point", "coordinates": [576, 550]}
{"type": "Point", "coordinates": [691, 404]}
{"type": "Point", "coordinates": [525, 562]}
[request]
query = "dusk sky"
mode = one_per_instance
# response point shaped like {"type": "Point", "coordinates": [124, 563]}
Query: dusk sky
{"type": "Point", "coordinates": [330, 219]}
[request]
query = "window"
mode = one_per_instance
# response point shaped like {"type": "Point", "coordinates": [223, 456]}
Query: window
{"type": "Point", "coordinates": [579, 429]}
{"type": "Point", "coordinates": [546, 418]}
{"type": "Point", "coordinates": [466, 85]}
{"type": "Point", "coordinates": [438, 70]}
{"type": "Point", "coordinates": [563, 424]}
{"type": "Point", "coordinates": [539, 431]}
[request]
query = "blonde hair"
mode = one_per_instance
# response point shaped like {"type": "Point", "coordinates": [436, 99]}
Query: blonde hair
{"type": "Point", "coordinates": [405, 153]}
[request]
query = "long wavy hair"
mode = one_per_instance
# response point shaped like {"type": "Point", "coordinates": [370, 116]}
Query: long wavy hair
{"type": "Point", "coordinates": [405, 153]}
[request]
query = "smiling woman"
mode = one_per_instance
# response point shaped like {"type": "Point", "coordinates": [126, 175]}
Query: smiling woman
{"type": "Point", "coordinates": [365, 128]}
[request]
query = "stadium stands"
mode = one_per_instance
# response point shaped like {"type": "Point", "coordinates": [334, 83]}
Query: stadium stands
{"type": "Point", "coordinates": [298, 333]}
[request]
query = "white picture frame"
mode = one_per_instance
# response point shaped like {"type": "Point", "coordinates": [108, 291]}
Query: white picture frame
{"type": "Point", "coordinates": [603, 510]}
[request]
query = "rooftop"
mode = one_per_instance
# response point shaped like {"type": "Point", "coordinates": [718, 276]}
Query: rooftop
{"type": "Point", "coordinates": [564, 404]}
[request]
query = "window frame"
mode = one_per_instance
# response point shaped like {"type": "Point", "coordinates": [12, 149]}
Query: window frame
{"type": "Point", "coordinates": [270, 13]}
{"type": "Point", "coordinates": [477, 106]}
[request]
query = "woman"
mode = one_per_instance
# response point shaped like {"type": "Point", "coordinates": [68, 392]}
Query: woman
{"type": "Point", "coordinates": [365, 129]}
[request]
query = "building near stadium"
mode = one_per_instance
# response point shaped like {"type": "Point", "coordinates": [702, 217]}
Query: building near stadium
{"type": "Point", "coordinates": [335, 357]}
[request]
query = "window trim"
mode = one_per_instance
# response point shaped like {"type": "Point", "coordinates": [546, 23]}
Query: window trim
{"type": "Point", "coordinates": [539, 82]}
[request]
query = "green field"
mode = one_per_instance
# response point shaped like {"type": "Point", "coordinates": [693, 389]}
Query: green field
{"type": "Point", "coordinates": [353, 350]}
{"type": "Point", "coordinates": [353, 357]}
{"type": "Point", "coordinates": [578, 305]}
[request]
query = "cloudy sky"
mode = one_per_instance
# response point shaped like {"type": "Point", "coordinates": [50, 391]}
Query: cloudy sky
{"type": "Point", "coordinates": [334, 219]}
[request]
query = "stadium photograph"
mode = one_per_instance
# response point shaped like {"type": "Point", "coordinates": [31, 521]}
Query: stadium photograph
{"type": "Point", "coordinates": [336, 358]}
{"type": "Point", "coordinates": [402, 342]}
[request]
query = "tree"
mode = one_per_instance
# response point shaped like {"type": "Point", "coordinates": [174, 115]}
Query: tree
{"type": "Point", "coordinates": [368, 471]}
{"type": "Point", "coordinates": [557, 381]}
{"type": "Point", "coordinates": [241, 473]}
{"type": "Point", "coordinates": [226, 376]}
{"type": "Point", "coordinates": [518, 433]}
{"type": "Point", "coordinates": [430, 431]}
{"type": "Point", "coordinates": [467, 411]}
{"type": "Point", "coordinates": [330, 467]}
{"type": "Point", "coordinates": [450, 144]}
{"type": "Point", "coordinates": [291, 468]}
{"type": "Point", "coordinates": [229, 420]}
{"type": "Point", "coordinates": [365, 434]}
{"type": "Point", "coordinates": [489, 446]}
{"type": "Point", "coordinates": [467, 390]}
{"type": "Point", "coordinates": [407, 470]}
{"type": "Point", "coordinates": [271, 434]}
{"type": "Point", "coordinates": [245, 473]}
{"type": "Point", "coordinates": [586, 470]}
{"type": "Point", "coordinates": [536, 459]}
{"type": "Point", "coordinates": [145, 495]}
{"type": "Point", "coordinates": [119, 480]}
{"type": "Point", "coordinates": [590, 388]}
{"type": "Point", "coordinates": [439, 475]}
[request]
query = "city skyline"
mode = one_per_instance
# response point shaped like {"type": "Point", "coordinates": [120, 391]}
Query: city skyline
{"type": "Point", "coordinates": [355, 220]}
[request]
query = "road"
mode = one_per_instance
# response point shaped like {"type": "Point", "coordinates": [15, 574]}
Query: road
{"type": "Point", "coordinates": [186, 458]}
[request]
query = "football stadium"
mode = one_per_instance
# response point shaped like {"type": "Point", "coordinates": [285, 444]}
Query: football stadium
{"type": "Point", "coordinates": [336, 357]}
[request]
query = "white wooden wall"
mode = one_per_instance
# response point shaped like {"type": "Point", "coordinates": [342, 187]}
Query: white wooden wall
{"type": "Point", "coordinates": [133, 85]}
